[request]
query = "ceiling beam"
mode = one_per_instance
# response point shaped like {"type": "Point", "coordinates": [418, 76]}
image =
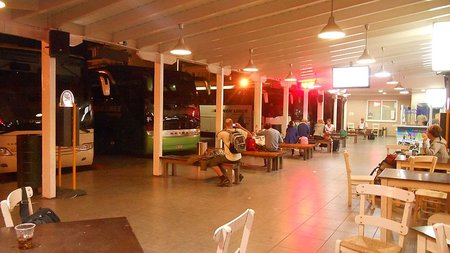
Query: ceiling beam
{"type": "Point", "coordinates": [203, 12]}
{"type": "Point", "coordinates": [44, 6]}
{"type": "Point", "coordinates": [78, 11]}
{"type": "Point", "coordinates": [29, 5]}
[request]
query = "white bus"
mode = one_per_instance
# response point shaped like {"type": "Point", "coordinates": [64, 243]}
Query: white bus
{"type": "Point", "coordinates": [20, 101]}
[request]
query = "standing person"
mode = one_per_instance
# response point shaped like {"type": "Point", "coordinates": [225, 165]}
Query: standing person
{"type": "Point", "coordinates": [329, 128]}
{"type": "Point", "coordinates": [272, 139]}
{"type": "Point", "coordinates": [291, 134]}
{"type": "Point", "coordinates": [438, 145]}
{"type": "Point", "coordinates": [303, 129]}
{"type": "Point", "coordinates": [319, 129]}
{"type": "Point", "coordinates": [226, 157]}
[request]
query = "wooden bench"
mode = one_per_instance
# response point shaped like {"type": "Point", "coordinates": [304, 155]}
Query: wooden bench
{"type": "Point", "coordinates": [274, 158]}
{"type": "Point", "coordinates": [307, 148]}
{"type": "Point", "coordinates": [355, 137]}
{"type": "Point", "coordinates": [317, 142]}
{"type": "Point", "coordinates": [172, 160]}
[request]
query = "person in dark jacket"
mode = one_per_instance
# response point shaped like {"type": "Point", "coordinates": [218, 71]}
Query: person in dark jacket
{"type": "Point", "coordinates": [291, 134]}
{"type": "Point", "coordinates": [303, 129]}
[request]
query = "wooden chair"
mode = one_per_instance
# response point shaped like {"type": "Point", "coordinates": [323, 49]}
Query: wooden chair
{"type": "Point", "coordinates": [14, 198]}
{"type": "Point", "coordinates": [375, 129]}
{"type": "Point", "coordinates": [361, 243]}
{"type": "Point", "coordinates": [396, 147]}
{"type": "Point", "coordinates": [426, 199]}
{"type": "Point", "coordinates": [353, 180]}
{"type": "Point", "coordinates": [222, 235]}
{"type": "Point", "coordinates": [442, 232]}
{"type": "Point", "coordinates": [351, 127]}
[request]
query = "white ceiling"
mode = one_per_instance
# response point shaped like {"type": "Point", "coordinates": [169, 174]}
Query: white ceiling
{"type": "Point", "coordinates": [280, 31]}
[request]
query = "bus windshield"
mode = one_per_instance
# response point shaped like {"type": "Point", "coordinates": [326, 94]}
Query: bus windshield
{"type": "Point", "coordinates": [20, 88]}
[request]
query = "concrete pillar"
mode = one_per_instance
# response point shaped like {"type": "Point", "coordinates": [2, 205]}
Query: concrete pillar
{"type": "Point", "coordinates": [320, 105]}
{"type": "Point", "coordinates": [48, 79]}
{"type": "Point", "coordinates": [335, 99]}
{"type": "Point", "coordinates": [257, 105]}
{"type": "Point", "coordinates": [219, 103]}
{"type": "Point", "coordinates": [285, 108]}
{"type": "Point", "coordinates": [305, 104]}
{"type": "Point", "coordinates": [158, 102]}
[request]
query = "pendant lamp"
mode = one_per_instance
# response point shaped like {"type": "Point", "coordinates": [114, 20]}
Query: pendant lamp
{"type": "Point", "coordinates": [365, 58]}
{"type": "Point", "coordinates": [180, 48]}
{"type": "Point", "coordinates": [331, 30]}
{"type": "Point", "coordinates": [290, 77]}
{"type": "Point", "coordinates": [2, 4]}
{"type": "Point", "coordinates": [382, 73]}
{"type": "Point", "coordinates": [399, 87]}
{"type": "Point", "coordinates": [250, 66]}
{"type": "Point", "coordinates": [392, 81]}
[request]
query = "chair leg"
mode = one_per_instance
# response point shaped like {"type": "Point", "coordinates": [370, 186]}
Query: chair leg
{"type": "Point", "coordinates": [337, 248]}
{"type": "Point", "coordinates": [349, 195]}
{"type": "Point", "coordinates": [372, 206]}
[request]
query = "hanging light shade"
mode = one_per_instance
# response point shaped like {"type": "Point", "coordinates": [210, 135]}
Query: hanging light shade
{"type": "Point", "coordinates": [365, 58]}
{"type": "Point", "coordinates": [2, 4]}
{"type": "Point", "coordinates": [180, 48]}
{"type": "Point", "coordinates": [331, 30]}
{"type": "Point", "coordinates": [290, 77]}
{"type": "Point", "coordinates": [399, 87]}
{"type": "Point", "coordinates": [250, 66]}
{"type": "Point", "coordinates": [392, 81]}
{"type": "Point", "coordinates": [382, 73]}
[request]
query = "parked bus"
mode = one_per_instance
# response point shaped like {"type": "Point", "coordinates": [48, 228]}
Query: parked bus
{"type": "Point", "coordinates": [123, 109]}
{"type": "Point", "coordinates": [20, 102]}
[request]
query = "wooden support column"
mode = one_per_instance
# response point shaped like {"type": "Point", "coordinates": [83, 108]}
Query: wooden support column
{"type": "Point", "coordinates": [219, 103]}
{"type": "Point", "coordinates": [158, 89]}
{"type": "Point", "coordinates": [320, 105]}
{"type": "Point", "coordinates": [305, 103]}
{"type": "Point", "coordinates": [257, 105]}
{"type": "Point", "coordinates": [284, 124]}
{"type": "Point", "coordinates": [335, 100]}
{"type": "Point", "coordinates": [48, 79]}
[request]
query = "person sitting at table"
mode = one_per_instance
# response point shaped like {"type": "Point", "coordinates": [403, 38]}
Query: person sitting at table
{"type": "Point", "coordinates": [329, 128]}
{"type": "Point", "coordinates": [438, 145]}
{"type": "Point", "coordinates": [362, 127]}
{"type": "Point", "coordinates": [319, 129]}
{"type": "Point", "coordinates": [272, 138]}
{"type": "Point", "coordinates": [303, 129]}
{"type": "Point", "coordinates": [291, 134]}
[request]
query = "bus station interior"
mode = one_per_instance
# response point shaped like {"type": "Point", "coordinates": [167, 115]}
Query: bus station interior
{"type": "Point", "coordinates": [301, 208]}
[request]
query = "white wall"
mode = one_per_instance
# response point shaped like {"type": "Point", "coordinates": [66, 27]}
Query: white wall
{"type": "Point", "coordinates": [357, 107]}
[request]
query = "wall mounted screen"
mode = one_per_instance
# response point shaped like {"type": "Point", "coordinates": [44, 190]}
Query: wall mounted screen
{"type": "Point", "coordinates": [351, 77]}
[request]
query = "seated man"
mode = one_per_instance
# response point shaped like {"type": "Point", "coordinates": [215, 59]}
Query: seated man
{"type": "Point", "coordinates": [362, 128]}
{"type": "Point", "coordinates": [216, 162]}
{"type": "Point", "coordinates": [272, 138]}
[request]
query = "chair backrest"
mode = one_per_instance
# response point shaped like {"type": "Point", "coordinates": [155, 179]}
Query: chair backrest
{"type": "Point", "coordinates": [14, 198]}
{"type": "Point", "coordinates": [347, 163]}
{"type": "Point", "coordinates": [351, 126]}
{"type": "Point", "coordinates": [396, 147]}
{"type": "Point", "coordinates": [427, 162]}
{"type": "Point", "coordinates": [442, 232]}
{"type": "Point", "coordinates": [363, 219]}
{"type": "Point", "coordinates": [376, 126]}
{"type": "Point", "coordinates": [222, 235]}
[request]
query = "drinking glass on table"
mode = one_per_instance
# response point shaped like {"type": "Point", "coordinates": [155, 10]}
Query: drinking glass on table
{"type": "Point", "coordinates": [24, 233]}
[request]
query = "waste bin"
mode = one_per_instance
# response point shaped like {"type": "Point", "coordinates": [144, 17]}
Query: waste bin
{"type": "Point", "coordinates": [29, 161]}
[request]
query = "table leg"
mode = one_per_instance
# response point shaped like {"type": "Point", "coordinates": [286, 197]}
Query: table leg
{"type": "Point", "coordinates": [344, 143]}
{"type": "Point", "coordinates": [355, 139]}
{"type": "Point", "coordinates": [281, 162]}
{"type": "Point", "coordinates": [384, 212]}
{"type": "Point", "coordinates": [269, 164]}
{"type": "Point", "coordinates": [421, 243]}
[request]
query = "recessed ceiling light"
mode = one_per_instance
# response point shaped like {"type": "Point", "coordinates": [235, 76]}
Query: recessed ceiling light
{"type": "Point", "coordinates": [380, 91]}
{"type": "Point", "coordinates": [404, 92]}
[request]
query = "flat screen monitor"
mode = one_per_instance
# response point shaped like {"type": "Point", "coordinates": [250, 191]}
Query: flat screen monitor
{"type": "Point", "coordinates": [351, 77]}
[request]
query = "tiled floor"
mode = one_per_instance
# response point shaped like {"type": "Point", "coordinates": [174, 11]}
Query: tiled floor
{"type": "Point", "coordinates": [301, 208]}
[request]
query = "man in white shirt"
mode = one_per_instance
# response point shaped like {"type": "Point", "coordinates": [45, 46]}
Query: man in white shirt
{"type": "Point", "coordinates": [362, 127]}
{"type": "Point", "coordinates": [329, 128]}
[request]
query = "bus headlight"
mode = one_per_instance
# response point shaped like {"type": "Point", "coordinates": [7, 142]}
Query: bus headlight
{"type": "Point", "coordinates": [5, 152]}
{"type": "Point", "coordinates": [85, 146]}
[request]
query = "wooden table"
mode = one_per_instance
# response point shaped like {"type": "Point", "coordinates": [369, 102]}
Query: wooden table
{"type": "Point", "coordinates": [99, 235]}
{"type": "Point", "coordinates": [342, 140]}
{"type": "Point", "coordinates": [411, 180]}
{"type": "Point", "coordinates": [442, 163]}
{"type": "Point", "coordinates": [354, 135]}
{"type": "Point", "coordinates": [426, 239]}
